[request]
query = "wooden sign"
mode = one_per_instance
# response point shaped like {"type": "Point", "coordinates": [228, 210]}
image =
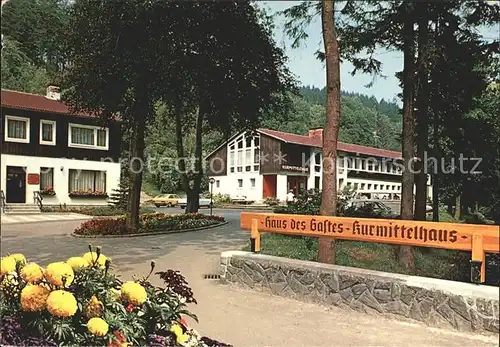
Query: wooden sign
{"type": "Point", "coordinates": [394, 231]}
{"type": "Point", "coordinates": [33, 178]}
{"type": "Point", "coordinates": [477, 238]}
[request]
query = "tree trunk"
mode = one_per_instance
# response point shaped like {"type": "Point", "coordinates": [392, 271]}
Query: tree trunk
{"type": "Point", "coordinates": [435, 199]}
{"type": "Point", "coordinates": [136, 169]}
{"type": "Point", "coordinates": [422, 113]}
{"type": "Point", "coordinates": [405, 254]}
{"type": "Point", "coordinates": [193, 199]}
{"type": "Point", "coordinates": [326, 247]}
{"type": "Point", "coordinates": [458, 206]}
{"type": "Point", "coordinates": [180, 149]}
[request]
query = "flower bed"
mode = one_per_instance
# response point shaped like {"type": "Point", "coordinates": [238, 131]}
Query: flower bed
{"type": "Point", "coordinates": [80, 302]}
{"type": "Point", "coordinates": [149, 223]}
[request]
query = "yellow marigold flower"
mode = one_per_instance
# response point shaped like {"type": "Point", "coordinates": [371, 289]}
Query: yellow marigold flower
{"type": "Point", "coordinates": [77, 263]}
{"type": "Point", "coordinates": [57, 273]}
{"type": "Point", "coordinates": [61, 303]}
{"type": "Point", "coordinates": [19, 257]}
{"type": "Point", "coordinates": [176, 329]}
{"type": "Point", "coordinates": [94, 308]}
{"type": "Point", "coordinates": [8, 264]}
{"type": "Point", "coordinates": [34, 298]}
{"type": "Point", "coordinates": [32, 273]}
{"type": "Point", "coordinates": [133, 293]}
{"type": "Point", "coordinates": [91, 257]}
{"type": "Point", "coordinates": [97, 326]}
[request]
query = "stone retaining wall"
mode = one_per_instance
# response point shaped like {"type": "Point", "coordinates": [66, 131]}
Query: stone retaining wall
{"type": "Point", "coordinates": [439, 303]}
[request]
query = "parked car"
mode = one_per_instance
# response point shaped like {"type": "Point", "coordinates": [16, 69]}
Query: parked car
{"type": "Point", "coordinates": [204, 202]}
{"type": "Point", "coordinates": [241, 199]}
{"type": "Point", "coordinates": [376, 206]}
{"type": "Point", "coordinates": [169, 200]}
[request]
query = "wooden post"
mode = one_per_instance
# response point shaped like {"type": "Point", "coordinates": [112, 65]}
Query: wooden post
{"type": "Point", "coordinates": [478, 261]}
{"type": "Point", "coordinates": [255, 237]}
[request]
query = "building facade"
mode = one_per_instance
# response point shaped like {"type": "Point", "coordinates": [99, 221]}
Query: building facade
{"type": "Point", "coordinates": [68, 158]}
{"type": "Point", "coordinates": [269, 163]}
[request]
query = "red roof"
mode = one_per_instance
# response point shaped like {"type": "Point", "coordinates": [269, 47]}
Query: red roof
{"type": "Point", "coordinates": [318, 142]}
{"type": "Point", "coordinates": [35, 102]}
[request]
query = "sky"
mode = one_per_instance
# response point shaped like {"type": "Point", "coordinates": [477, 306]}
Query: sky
{"type": "Point", "coordinates": [310, 71]}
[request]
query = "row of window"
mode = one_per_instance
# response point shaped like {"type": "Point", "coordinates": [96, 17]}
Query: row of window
{"type": "Point", "coordinates": [252, 183]}
{"type": "Point", "coordinates": [370, 165]}
{"type": "Point", "coordinates": [244, 154]}
{"type": "Point", "coordinates": [82, 136]}
{"type": "Point", "coordinates": [247, 141]}
{"type": "Point", "coordinates": [368, 186]}
{"type": "Point", "coordinates": [251, 163]}
{"type": "Point", "coordinates": [240, 183]}
{"type": "Point", "coordinates": [79, 180]}
{"type": "Point", "coordinates": [360, 164]}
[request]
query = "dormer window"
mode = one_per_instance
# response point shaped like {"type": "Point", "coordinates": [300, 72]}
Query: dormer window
{"type": "Point", "coordinates": [86, 136]}
{"type": "Point", "coordinates": [47, 132]}
{"type": "Point", "coordinates": [18, 129]}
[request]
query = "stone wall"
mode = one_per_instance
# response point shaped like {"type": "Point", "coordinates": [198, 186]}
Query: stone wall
{"type": "Point", "coordinates": [439, 303]}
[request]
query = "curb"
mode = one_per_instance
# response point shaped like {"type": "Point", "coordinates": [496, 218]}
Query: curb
{"type": "Point", "coordinates": [146, 234]}
{"type": "Point", "coordinates": [244, 207]}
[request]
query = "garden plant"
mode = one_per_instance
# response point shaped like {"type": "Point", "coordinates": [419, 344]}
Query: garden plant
{"type": "Point", "coordinates": [80, 302]}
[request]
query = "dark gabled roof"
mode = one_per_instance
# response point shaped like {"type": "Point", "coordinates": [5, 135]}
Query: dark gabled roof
{"type": "Point", "coordinates": [39, 103]}
{"type": "Point", "coordinates": [35, 102]}
{"type": "Point", "coordinates": [317, 141]}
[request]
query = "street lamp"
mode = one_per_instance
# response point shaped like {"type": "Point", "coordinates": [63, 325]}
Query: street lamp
{"type": "Point", "coordinates": [211, 181]}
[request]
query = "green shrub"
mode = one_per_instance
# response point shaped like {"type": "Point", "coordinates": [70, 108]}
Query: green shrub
{"type": "Point", "coordinates": [221, 199]}
{"type": "Point", "coordinates": [309, 203]}
{"type": "Point", "coordinates": [269, 201]}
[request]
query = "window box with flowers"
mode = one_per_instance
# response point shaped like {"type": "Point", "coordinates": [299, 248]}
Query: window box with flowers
{"type": "Point", "coordinates": [87, 194]}
{"type": "Point", "coordinates": [87, 184]}
{"type": "Point", "coordinates": [48, 191]}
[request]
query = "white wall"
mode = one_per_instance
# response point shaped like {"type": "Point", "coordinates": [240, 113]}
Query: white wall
{"type": "Point", "coordinates": [61, 179]}
{"type": "Point", "coordinates": [281, 187]}
{"type": "Point", "coordinates": [228, 185]}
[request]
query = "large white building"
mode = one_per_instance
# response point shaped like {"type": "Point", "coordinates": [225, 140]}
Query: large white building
{"type": "Point", "coordinates": [67, 158]}
{"type": "Point", "coordinates": [270, 163]}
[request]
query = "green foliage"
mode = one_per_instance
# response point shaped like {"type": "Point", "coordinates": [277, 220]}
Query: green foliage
{"type": "Point", "coordinates": [164, 175]}
{"type": "Point", "coordinates": [271, 201]}
{"type": "Point", "coordinates": [18, 71]}
{"type": "Point", "coordinates": [118, 198]}
{"type": "Point", "coordinates": [219, 199]}
{"type": "Point", "coordinates": [40, 28]}
{"type": "Point", "coordinates": [309, 203]}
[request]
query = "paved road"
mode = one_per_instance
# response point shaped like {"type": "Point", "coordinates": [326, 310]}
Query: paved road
{"type": "Point", "coordinates": [243, 318]}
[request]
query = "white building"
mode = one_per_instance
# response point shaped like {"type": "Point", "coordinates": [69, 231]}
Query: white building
{"type": "Point", "coordinates": [66, 158]}
{"type": "Point", "coordinates": [270, 163]}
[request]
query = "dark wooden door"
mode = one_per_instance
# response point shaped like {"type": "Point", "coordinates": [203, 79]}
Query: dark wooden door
{"type": "Point", "coordinates": [16, 185]}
